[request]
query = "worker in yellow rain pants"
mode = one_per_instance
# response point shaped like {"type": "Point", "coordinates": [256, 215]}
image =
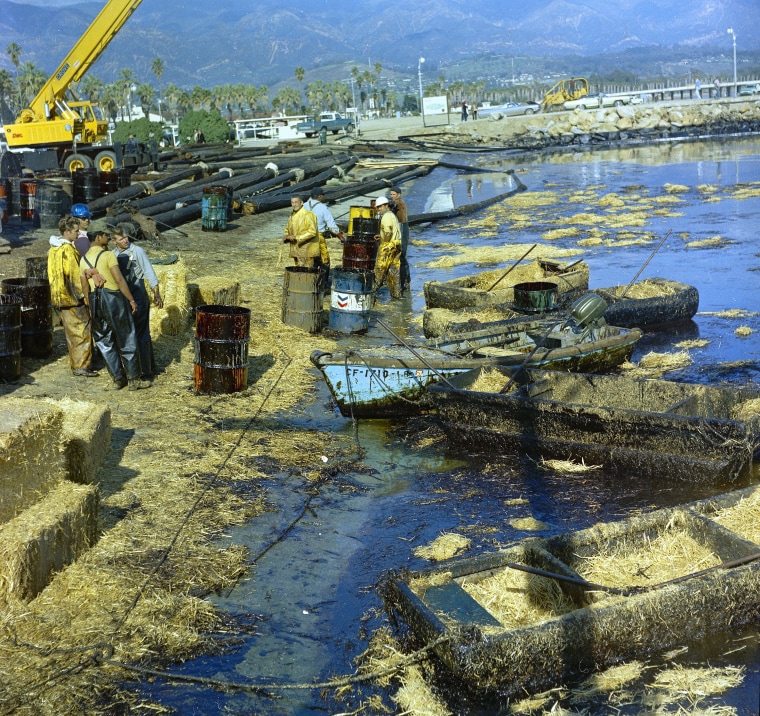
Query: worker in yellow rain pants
{"type": "Point", "coordinates": [388, 263]}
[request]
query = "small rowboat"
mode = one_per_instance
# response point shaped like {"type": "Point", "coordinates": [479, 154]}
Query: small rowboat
{"type": "Point", "coordinates": [653, 301]}
{"type": "Point", "coordinates": [493, 288]}
{"type": "Point", "coordinates": [388, 382]}
{"type": "Point", "coordinates": [677, 431]}
{"type": "Point", "coordinates": [540, 615]}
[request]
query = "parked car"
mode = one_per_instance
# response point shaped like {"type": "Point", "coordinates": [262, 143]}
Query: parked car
{"type": "Point", "coordinates": [329, 121]}
{"type": "Point", "coordinates": [594, 101]}
{"type": "Point", "coordinates": [509, 109]}
{"type": "Point", "coordinates": [748, 90]}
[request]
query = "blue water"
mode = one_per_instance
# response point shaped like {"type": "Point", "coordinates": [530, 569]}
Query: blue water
{"type": "Point", "coordinates": [309, 603]}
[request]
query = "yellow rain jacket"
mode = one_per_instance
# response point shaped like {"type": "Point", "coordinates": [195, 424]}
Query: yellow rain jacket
{"type": "Point", "coordinates": [303, 225]}
{"type": "Point", "coordinates": [388, 263]}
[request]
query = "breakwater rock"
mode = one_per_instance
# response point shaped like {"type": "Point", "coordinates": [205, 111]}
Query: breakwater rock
{"type": "Point", "coordinates": [627, 123]}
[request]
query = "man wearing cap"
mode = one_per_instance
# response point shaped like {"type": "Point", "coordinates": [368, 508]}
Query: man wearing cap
{"type": "Point", "coordinates": [112, 307]}
{"type": "Point", "coordinates": [302, 234]}
{"type": "Point", "coordinates": [82, 213]}
{"type": "Point", "coordinates": [403, 222]}
{"type": "Point", "coordinates": [388, 263]}
{"type": "Point", "coordinates": [325, 223]}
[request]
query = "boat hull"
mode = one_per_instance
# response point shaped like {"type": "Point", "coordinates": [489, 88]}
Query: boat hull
{"type": "Point", "coordinates": [389, 382]}
{"type": "Point", "coordinates": [678, 431]}
{"type": "Point", "coordinates": [515, 655]}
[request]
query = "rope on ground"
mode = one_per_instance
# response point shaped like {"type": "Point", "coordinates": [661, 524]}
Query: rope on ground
{"type": "Point", "coordinates": [265, 689]}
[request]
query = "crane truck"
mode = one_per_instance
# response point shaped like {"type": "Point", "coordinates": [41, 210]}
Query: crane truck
{"type": "Point", "coordinates": [59, 131]}
{"type": "Point", "coordinates": [564, 91]}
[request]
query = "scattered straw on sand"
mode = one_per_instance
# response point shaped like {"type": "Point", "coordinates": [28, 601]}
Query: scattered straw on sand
{"type": "Point", "coordinates": [675, 188]}
{"type": "Point", "coordinates": [612, 679]}
{"type": "Point", "coordinates": [653, 364]}
{"type": "Point", "coordinates": [743, 331]}
{"type": "Point", "coordinates": [568, 466]}
{"type": "Point", "coordinates": [417, 697]}
{"type": "Point", "coordinates": [712, 241]}
{"type": "Point", "coordinates": [527, 524]}
{"type": "Point", "coordinates": [730, 313]}
{"type": "Point", "coordinates": [696, 683]}
{"type": "Point", "coordinates": [743, 518]}
{"type": "Point", "coordinates": [692, 343]}
{"type": "Point", "coordinates": [446, 546]}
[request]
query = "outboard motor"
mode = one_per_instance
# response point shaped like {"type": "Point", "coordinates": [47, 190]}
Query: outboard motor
{"type": "Point", "coordinates": [587, 310]}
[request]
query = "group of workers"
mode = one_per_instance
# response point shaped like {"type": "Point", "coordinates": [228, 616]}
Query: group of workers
{"type": "Point", "coordinates": [101, 298]}
{"type": "Point", "coordinates": [311, 222]}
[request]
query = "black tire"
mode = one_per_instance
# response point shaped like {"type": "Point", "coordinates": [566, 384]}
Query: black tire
{"type": "Point", "coordinates": [581, 106]}
{"type": "Point", "coordinates": [76, 161]}
{"type": "Point", "coordinates": [105, 161]}
{"type": "Point", "coordinates": [350, 128]}
{"type": "Point", "coordinates": [529, 111]}
{"type": "Point", "coordinates": [619, 103]}
{"type": "Point", "coordinates": [309, 134]}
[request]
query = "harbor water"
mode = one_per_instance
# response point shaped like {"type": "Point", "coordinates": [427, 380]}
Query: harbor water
{"type": "Point", "coordinates": [309, 605]}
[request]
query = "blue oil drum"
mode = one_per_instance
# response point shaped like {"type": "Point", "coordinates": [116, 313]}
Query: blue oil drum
{"type": "Point", "coordinates": [214, 208]}
{"type": "Point", "coordinates": [351, 300]}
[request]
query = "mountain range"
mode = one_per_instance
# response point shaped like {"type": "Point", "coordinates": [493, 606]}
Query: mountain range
{"type": "Point", "coordinates": [261, 43]}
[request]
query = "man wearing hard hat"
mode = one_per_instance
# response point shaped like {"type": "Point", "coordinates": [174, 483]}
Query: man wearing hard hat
{"type": "Point", "coordinates": [388, 263]}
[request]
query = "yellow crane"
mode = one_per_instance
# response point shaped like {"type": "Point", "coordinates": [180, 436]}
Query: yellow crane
{"type": "Point", "coordinates": [62, 131]}
{"type": "Point", "coordinates": [564, 90]}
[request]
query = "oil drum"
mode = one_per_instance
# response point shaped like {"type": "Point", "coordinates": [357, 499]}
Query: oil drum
{"type": "Point", "coordinates": [36, 314]}
{"type": "Point", "coordinates": [10, 337]}
{"type": "Point", "coordinates": [221, 348]}
{"type": "Point", "coordinates": [302, 298]}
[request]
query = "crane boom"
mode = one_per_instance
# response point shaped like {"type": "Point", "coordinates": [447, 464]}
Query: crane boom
{"type": "Point", "coordinates": [64, 124]}
{"type": "Point", "coordinates": [83, 55]}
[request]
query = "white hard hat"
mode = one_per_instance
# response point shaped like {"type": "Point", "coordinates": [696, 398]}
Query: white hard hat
{"type": "Point", "coordinates": [381, 200]}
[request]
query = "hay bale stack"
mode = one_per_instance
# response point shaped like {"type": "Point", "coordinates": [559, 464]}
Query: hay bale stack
{"type": "Point", "coordinates": [86, 438]}
{"type": "Point", "coordinates": [214, 291]}
{"type": "Point", "coordinates": [172, 319]}
{"type": "Point", "coordinates": [31, 462]}
{"type": "Point", "coordinates": [45, 538]}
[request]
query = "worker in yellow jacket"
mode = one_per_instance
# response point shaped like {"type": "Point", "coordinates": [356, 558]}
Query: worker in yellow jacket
{"type": "Point", "coordinates": [388, 262]}
{"type": "Point", "coordinates": [302, 234]}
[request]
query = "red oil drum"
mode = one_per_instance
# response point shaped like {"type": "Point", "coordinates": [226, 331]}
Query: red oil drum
{"type": "Point", "coordinates": [221, 348]}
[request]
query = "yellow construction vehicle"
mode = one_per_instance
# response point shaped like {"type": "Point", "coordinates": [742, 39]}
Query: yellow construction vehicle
{"type": "Point", "coordinates": [58, 130]}
{"type": "Point", "coordinates": [564, 90]}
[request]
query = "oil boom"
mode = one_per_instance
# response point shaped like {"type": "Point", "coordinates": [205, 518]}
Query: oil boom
{"type": "Point", "coordinates": [58, 130]}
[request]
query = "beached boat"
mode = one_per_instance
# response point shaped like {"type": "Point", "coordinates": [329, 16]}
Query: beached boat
{"type": "Point", "coordinates": [551, 612]}
{"type": "Point", "coordinates": [493, 288]}
{"type": "Point", "coordinates": [684, 431]}
{"type": "Point", "coordinates": [388, 381]}
{"type": "Point", "coordinates": [653, 301]}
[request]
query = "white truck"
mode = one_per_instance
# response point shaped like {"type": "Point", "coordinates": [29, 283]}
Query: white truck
{"type": "Point", "coordinates": [329, 121]}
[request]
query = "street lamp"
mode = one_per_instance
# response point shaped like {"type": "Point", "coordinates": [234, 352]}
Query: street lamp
{"type": "Point", "coordinates": [733, 35]}
{"type": "Point", "coordinates": [419, 74]}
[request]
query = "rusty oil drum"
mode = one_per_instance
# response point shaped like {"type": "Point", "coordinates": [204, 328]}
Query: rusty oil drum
{"type": "Point", "coordinates": [221, 348]}
{"type": "Point", "coordinates": [536, 297]}
{"type": "Point", "coordinates": [360, 254]}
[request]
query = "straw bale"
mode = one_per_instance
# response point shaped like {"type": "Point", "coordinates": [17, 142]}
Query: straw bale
{"type": "Point", "coordinates": [45, 538]}
{"type": "Point", "coordinates": [31, 460]}
{"type": "Point", "coordinates": [444, 546]}
{"type": "Point", "coordinates": [214, 291]}
{"type": "Point", "coordinates": [86, 438]}
{"type": "Point", "coordinates": [172, 319]}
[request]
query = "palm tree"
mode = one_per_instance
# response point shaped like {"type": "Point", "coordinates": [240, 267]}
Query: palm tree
{"type": "Point", "coordinates": [147, 94]}
{"type": "Point", "coordinates": [300, 73]}
{"type": "Point", "coordinates": [91, 87]}
{"type": "Point", "coordinates": [6, 89]}
{"type": "Point", "coordinates": [157, 68]}
{"type": "Point", "coordinates": [112, 100]}
{"type": "Point", "coordinates": [14, 52]}
{"type": "Point", "coordinates": [30, 81]}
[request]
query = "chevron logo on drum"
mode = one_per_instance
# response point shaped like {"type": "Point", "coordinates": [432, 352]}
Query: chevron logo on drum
{"type": "Point", "coordinates": [342, 301]}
